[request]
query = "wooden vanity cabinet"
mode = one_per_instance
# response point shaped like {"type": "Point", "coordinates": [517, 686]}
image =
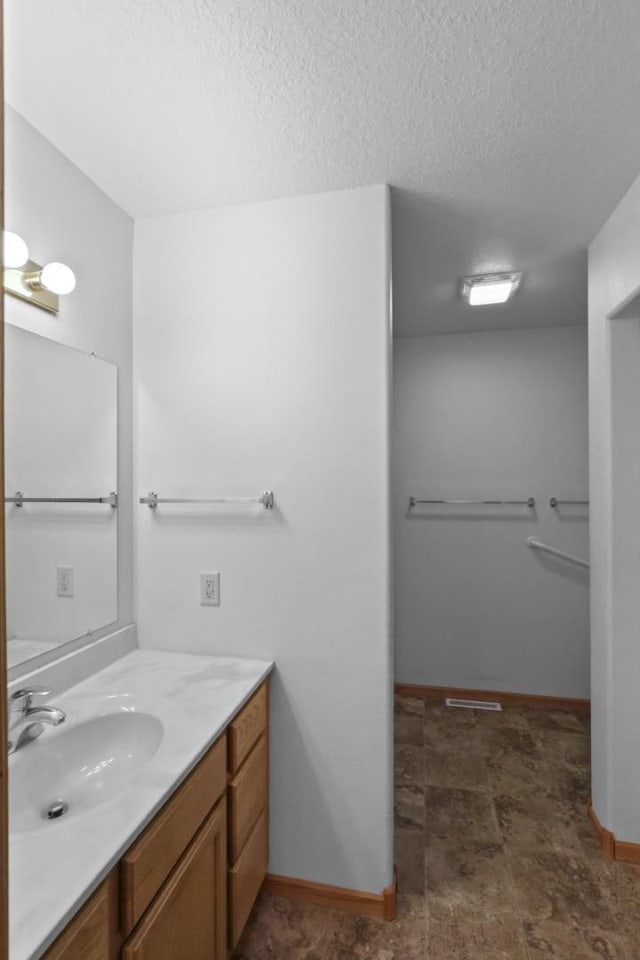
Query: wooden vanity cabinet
{"type": "Point", "coordinates": [150, 859]}
{"type": "Point", "coordinates": [93, 933]}
{"type": "Point", "coordinates": [185, 888]}
{"type": "Point", "coordinates": [188, 918]}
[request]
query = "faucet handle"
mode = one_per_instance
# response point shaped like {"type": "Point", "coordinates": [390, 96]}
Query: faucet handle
{"type": "Point", "coordinates": [21, 700]}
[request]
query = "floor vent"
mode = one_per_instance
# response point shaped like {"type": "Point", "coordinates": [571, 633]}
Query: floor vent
{"type": "Point", "coordinates": [474, 704]}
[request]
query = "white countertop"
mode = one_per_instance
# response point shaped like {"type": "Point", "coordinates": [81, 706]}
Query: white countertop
{"type": "Point", "coordinates": [54, 869]}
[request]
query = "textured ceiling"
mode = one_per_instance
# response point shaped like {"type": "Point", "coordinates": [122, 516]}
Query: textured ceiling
{"type": "Point", "coordinates": [508, 128]}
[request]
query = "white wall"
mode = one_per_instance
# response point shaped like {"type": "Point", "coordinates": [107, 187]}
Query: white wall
{"type": "Point", "coordinates": [63, 216]}
{"type": "Point", "coordinates": [261, 359]}
{"type": "Point", "coordinates": [614, 404]}
{"type": "Point", "coordinates": [492, 415]}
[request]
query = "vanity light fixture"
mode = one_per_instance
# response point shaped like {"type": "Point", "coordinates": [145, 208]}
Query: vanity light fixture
{"type": "Point", "coordinates": [488, 288]}
{"type": "Point", "coordinates": [54, 277]}
{"type": "Point", "coordinates": [15, 252]}
{"type": "Point", "coordinates": [27, 280]}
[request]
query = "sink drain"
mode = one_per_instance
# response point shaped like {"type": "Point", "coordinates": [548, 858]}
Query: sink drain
{"type": "Point", "coordinates": [55, 810]}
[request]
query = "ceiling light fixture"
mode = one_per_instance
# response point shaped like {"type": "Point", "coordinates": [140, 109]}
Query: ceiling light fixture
{"type": "Point", "coordinates": [28, 281]}
{"type": "Point", "coordinates": [490, 288]}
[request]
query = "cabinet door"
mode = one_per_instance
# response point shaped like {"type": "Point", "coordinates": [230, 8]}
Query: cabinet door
{"type": "Point", "coordinates": [188, 918]}
{"type": "Point", "coordinates": [148, 863]}
{"type": "Point", "coordinates": [92, 934]}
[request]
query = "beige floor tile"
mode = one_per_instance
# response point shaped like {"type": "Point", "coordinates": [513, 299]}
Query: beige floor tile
{"type": "Point", "coordinates": [455, 814]}
{"type": "Point", "coordinates": [509, 716]}
{"type": "Point", "coordinates": [558, 720]}
{"type": "Point", "coordinates": [496, 858]}
{"type": "Point", "coordinates": [410, 806]}
{"type": "Point", "coordinates": [281, 929]}
{"type": "Point", "coordinates": [622, 886]}
{"type": "Point", "coordinates": [559, 941]}
{"type": "Point", "coordinates": [464, 769]}
{"type": "Point", "coordinates": [409, 720]}
{"type": "Point", "coordinates": [409, 764]}
{"type": "Point", "coordinates": [565, 749]}
{"type": "Point", "coordinates": [363, 937]}
{"type": "Point", "coordinates": [458, 936]}
{"type": "Point", "coordinates": [409, 858]}
{"type": "Point", "coordinates": [558, 887]}
{"type": "Point", "coordinates": [449, 729]}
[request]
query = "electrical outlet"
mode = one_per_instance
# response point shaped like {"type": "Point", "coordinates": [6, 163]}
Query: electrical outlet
{"type": "Point", "coordinates": [65, 581]}
{"type": "Point", "coordinates": [210, 589]}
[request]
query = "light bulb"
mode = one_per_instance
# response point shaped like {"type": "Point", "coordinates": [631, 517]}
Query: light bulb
{"type": "Point", "coordinates": [15, 251]}
{"type": "Point", "coordinates": [484, 293]}
{"type": "Point", "coordinates": [58, 278]}
{"type": "Point", "coordinates": [490, 288]}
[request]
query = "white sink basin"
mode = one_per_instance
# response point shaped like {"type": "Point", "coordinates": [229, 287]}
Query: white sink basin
{"type": "Point", "coordinates": [79, 767]}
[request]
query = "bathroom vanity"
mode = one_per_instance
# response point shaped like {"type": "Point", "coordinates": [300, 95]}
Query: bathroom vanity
{"type": "Point", "coordinates": [168, 866]}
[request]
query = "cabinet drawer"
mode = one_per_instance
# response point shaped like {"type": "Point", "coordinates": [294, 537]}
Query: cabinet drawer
{"type": "Point", "coordinates": [247, 798]}
{"type": "Point", "coordinates": [245, 879]}
{"type": "Point", "coordinates": [149, 861]}
{"type": "Point", "coordinates": [247, 727]}
{"type": "Point", "coordinates": [93, 932]}
{"type": "Point", "coordinates": [188, 918]}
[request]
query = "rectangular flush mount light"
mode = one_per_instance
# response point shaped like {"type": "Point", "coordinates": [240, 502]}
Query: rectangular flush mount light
{"type": "Point", "coordinates": [490, 288]}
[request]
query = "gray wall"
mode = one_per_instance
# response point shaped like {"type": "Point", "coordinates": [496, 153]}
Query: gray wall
{"type": "Point", "coordinates": [614, 435]}
{"type": "Point", "coordinates": [495, 415]}
{"type": "Point", "coordinates": [261, 346]}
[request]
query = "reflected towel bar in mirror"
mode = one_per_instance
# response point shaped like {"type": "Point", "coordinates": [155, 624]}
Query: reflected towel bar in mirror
{"type": "Point", "coordinates": [20, 498]}
{"type": "Point", "coordinates": [266, 499]}
{"type": "Point", "coordinates": [529, 502]}
{"type": "Point", "coordinates": [554, 502]}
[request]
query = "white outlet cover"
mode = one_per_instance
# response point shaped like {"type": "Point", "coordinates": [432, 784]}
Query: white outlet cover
{"type": "Point", "coordinates": [210, 589]}
{"type": "Point", "coordinates": [64, 579]}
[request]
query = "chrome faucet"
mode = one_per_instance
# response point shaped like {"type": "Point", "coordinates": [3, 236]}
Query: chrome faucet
{"type": "Point", "coordinates": [28, 721]}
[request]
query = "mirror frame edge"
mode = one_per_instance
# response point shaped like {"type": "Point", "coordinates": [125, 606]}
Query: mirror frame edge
{"type": "Point", "coordinates": [4, 825]}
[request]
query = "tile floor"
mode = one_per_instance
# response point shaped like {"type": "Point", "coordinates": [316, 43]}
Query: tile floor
{"type": "Point", "coordinates": [495, 857]}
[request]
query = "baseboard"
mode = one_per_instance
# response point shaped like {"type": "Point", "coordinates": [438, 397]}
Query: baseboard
{"type": "Point", "coordinates": [613, 849]}
{"type": "Point", "coordinates": [380, 905]}
{"type": "Point", "coordinates": [525, 699]}
{"type": "Point", "coordinates": [606, 838]}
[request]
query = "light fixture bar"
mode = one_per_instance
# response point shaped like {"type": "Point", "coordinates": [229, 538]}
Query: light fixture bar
{"type": "Point", "coordinates": [16, 283]}
{"type": "Point", "coordinates": [489, 288]}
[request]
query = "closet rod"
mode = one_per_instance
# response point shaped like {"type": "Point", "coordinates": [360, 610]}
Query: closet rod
{"type": "Point", "coordinates": [536, 544]}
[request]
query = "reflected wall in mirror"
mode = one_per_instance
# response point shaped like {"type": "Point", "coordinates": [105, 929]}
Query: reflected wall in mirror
{"type": "Point", "coordinates": [60, 442]}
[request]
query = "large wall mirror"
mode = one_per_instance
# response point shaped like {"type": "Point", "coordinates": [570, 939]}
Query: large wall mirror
{"type": "Point", "coordinates": [60, 494]}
